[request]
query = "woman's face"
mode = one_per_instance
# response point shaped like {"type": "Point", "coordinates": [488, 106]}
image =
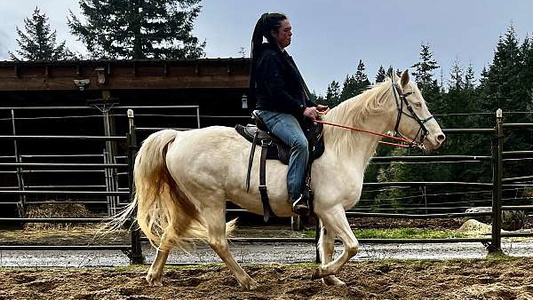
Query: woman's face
{"type": "Point", "coordinates": [284, 34]}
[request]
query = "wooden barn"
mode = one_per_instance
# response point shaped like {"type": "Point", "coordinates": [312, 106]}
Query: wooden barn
{"type": "Point", "coordinates": [90, 98]}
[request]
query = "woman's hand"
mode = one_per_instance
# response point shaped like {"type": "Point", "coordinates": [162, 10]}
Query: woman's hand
{"type": "Point", "coordinates": [311, 113]}
{"type": "Point", "coordinates": [321, 107]}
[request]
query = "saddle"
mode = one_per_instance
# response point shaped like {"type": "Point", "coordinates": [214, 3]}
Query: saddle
{"type": "Point", "coordinates": [273, 148]}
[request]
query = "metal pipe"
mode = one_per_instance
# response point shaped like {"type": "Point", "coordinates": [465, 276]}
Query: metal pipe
{"type": "Point", "coordinates": [63, 137]}
{"type": "Point", "coordinates": [136, 255]}
{"type": "Point", "coordinates": [497, 167]}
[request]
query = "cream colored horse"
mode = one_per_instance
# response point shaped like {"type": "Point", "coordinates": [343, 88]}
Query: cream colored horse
{"type": "Point", "coordinates": [183, 179]}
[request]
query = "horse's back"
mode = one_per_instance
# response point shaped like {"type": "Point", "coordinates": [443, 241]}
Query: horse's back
{"type": "Point", "coordinates": [206, 153]}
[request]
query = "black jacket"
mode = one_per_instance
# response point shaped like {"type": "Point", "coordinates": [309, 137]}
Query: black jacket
{"type": "Point", "coordinates": [277, 85]}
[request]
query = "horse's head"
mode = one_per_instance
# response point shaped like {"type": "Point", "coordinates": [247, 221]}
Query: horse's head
{"type": "Point", "coordinates": [414, 121]}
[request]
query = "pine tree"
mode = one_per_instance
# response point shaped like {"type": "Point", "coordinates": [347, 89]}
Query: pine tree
{"type": "Point", "coordinates": [381, 75]}
{"type": "Point", "coordinates": [361, 79]}
{"type": "Point", "coordinates": [333, 94]}
{"type": "Point", "coordinates": [349, 88]}
{"type": "Point", "coordinates": [424, 70]}
{"type": "Point", "coordinates": [138, 29]}
{"type": "Point", "coordinates": [502, 86]}
{"type": "Point", "coordinates": [423, 75]}
{"type": "Point", "coordinates": [38, 42]}
{"type": "Point", "coordinates": [456, 77]}
{"type": "Point", "coordinates": [470, 80]}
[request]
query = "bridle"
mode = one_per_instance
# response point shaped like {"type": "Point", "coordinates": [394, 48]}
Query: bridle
{"type": "Point", "coordinates": [401, 100]}
{"type": "Point", "coordinates": [422, 131]}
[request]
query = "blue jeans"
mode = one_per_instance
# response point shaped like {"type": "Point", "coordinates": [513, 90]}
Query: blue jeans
{"type": "Point", "coordinates": [287, 129]}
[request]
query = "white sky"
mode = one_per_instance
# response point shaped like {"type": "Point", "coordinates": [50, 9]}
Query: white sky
{"type": "Point", "coordinates": [331, 36]}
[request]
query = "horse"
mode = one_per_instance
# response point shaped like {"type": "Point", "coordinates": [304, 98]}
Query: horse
{"type": "Point", "coordinates": [183, 179]}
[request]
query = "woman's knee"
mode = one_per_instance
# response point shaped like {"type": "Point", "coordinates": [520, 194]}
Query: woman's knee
{"type": "Point", "coordinates": [300, 144]}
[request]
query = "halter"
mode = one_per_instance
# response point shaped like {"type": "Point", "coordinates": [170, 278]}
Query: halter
{"type": "Point", "coordinates": [399, 104]}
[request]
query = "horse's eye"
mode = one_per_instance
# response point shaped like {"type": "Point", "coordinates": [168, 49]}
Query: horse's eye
{"type": "Point", "coordinates": [418, 105]}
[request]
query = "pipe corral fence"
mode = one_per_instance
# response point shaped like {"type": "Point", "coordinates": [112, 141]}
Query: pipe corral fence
{"type": "Point", "coordinates": [114, 168]}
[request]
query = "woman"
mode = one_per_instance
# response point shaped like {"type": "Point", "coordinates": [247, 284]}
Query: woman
{"type": "Point", "coordinates": [281, 98]}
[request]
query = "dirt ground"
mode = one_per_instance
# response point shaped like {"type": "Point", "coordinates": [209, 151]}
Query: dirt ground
{"type": "Point", "coordinates": [384, 279]}
{"type": "Point", "coordinates": [464, 279]}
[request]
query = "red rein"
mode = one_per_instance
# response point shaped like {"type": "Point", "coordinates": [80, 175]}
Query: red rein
{"type": "Point", "coordinates": [399, 139]}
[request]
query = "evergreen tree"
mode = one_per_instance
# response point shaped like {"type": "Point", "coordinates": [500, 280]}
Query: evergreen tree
{"type": "Point", "coordinates": [38, 42]}
{"type": "Point", "coordinates": [349, 88]}
{"type": "Point", "coordinates": [333, 94]}
{"type": "Point", "coordinates": [526, 72]}
{"type": "Point", "coordinates": [502, 86]}
{"type": "Point", "coordinates": [138, 29]}
{"type": "Point", "coordinates": [381, 75]}
{"type": "Point", "coordinates": [424, 70]}
{"type": "Point", "coordinates": [355, 84]}
{"type": "Point", "coordinates": [470, 80]}
{"type": "Point", "coordinates": [361, 79]}
{"type": "Point", "coordinates": [456, 77]}
{"type": "Point", "coordinates": [424, 77]}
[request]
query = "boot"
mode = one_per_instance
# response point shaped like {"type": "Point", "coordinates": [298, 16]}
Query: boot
{"type": "Point", "coordinates": [300, 206]}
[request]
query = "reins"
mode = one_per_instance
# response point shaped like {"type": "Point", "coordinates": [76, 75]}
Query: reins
{"type": "Point", "coordinates": [400, 104]}
{"type": "Point", "coordinates": [400, 139]}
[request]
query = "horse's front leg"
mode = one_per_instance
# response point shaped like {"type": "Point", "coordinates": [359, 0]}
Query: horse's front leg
{"type": "Point", "coordinates": [334, 220]}
{"type": "Point", "coordinates": [326, 247]}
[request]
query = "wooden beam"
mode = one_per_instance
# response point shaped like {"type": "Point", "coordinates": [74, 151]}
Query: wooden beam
{"type": "Point", "coordinates": [123, 75]}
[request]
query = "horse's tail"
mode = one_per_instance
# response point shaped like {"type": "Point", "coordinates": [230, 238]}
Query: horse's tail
{"type": "Point", "coordinates": [162, 208]}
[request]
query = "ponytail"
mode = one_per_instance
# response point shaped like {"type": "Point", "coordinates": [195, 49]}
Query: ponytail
{"type": "Point", "coordinates": [267, 23]}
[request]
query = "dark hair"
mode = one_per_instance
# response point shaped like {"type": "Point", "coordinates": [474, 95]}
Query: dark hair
{"type": "Point", "coordinates": [267, 23]}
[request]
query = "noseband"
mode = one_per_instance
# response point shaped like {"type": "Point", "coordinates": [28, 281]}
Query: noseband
{"type": "Point", "coordinates": [401, 100]}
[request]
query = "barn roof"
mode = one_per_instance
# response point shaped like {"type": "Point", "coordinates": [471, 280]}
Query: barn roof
{"type": "Point", "coordinates": [205, 73]}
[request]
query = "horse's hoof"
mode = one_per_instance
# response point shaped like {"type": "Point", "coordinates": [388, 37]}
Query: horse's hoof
{"type": "Point", "coordinates": [154, 280]}
{"type": "Point", "coordinates": [333, 281]}
{"type": "Point", "coordinates": [249, 285]}
{"type": "Point", "coordinates": [317, 274]}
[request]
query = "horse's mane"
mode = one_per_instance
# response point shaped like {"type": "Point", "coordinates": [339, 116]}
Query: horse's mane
{"type": "Point", "coordinates": [354, 112]}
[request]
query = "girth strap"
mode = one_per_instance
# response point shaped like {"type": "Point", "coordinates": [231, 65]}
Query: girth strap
{"type": "Point", "coordinates": [250, 161]}
{"type": "Point", "coordinates": [262, 183]}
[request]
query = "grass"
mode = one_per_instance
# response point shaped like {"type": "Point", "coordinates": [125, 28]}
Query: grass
{"type": "Point", "coordinates": [401, 233]}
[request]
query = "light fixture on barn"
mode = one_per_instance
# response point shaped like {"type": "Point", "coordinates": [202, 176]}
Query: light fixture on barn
{"type": "Point", "coordinates": [244, 101]}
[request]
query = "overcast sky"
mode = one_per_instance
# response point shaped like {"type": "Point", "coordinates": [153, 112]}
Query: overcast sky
{"type": "Point", "coordinates": [330, 37]}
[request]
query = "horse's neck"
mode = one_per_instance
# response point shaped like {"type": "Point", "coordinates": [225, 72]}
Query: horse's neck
{"type": "Point", "coordinates": [354, 148]}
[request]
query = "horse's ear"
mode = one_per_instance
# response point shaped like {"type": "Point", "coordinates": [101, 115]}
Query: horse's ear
{"type": "Point", "coordinates": [405, 78]}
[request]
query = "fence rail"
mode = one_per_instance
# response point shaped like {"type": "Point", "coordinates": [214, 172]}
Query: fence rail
{"type": "Point", "coordinates": [495, 187]}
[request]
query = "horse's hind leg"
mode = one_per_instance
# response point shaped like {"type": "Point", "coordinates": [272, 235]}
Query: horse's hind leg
{"type": "Point", "coordinates": [326, 246]}
{"type": "Point", "coordinates": [155, 274]}
{"type": "Point", "coordinates": [216, 226]}
{"type": "Point", "coordinates": [335, 220]}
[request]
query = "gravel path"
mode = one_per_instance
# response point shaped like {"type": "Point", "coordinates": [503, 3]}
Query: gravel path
{"type": "Point", "coordinates": [260, 253]}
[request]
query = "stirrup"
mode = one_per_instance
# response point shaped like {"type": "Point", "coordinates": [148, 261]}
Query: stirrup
{"type": "Point", "coordinates": [300, 206]}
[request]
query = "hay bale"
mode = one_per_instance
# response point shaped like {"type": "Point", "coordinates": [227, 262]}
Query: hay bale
{"type": "Point", "coordinates": [56, 210]}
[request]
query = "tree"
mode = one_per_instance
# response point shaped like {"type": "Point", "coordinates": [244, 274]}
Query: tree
{"type": "Point", "coordinates": [423, 75]}
{"type": "Point", "coordinates": [38, 42]}
{"type": "Point", "coordinates": [456, 77]}
{"type": "Point", "coordinates": [333, 94]}
{"type": "Point", "coordinates": [360, 77]}
{"type": "Point", "coordinates": [381, 75]}
{"type": "Point", "coordinates": [502, 87]}
{"type": "Point", "coordinates": [349, 88]}
{"type": "Point", "coordinates": [138, 29]}
{"type": "Point", "coordinates": [355, 84]}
